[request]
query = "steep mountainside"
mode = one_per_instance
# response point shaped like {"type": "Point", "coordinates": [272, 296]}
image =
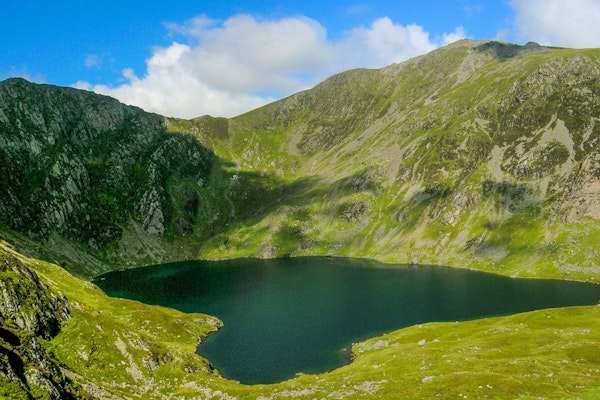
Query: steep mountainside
{"type": "Point", "coordinates": [479, 154]}
{"type": "Point", "coordinates": [85, 173]}
{"type": "Point", "coordinates": [29, 312]}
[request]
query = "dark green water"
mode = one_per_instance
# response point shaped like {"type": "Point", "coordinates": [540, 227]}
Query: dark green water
{"type": "Point", "coordinates": [296, 315]}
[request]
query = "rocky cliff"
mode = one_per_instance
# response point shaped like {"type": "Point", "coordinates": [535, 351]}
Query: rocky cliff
{"type": "Point", "coordinates": [88, 169]}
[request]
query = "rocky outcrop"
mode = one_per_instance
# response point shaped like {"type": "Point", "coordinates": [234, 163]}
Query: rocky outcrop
{"type": "Point", "coordinates": [27, 302]}
{"type": "Point", "coordinates": [353, 212]}
{"type": "Point", "coordinates": [584, 198]}
{"type": "Point", "coordinates": [29, 311]}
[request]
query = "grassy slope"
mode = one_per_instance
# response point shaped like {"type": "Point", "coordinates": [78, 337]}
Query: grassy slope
{"type": "Point", "coordinates": [412, 146]}
{"type": "Point", "coordinates": [132, 350]}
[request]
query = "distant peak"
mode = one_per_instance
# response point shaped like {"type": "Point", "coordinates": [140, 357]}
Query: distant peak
{"type": "Point", "coordinates": [467, 42]}
{"type": "Point", "coordinates": [502, 50]}
{"type": "Point", "coordinates": [15, 80]}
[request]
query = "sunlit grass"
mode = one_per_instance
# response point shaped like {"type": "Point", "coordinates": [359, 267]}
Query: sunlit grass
{"type": "Point", "coordinates": [134, 350]}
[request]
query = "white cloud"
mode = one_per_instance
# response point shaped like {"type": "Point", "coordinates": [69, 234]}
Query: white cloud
{"type": "Point", "coordinates": [172, 89]}
{"type": "Point", "coordinates": [226, 68]}
{"type": "Point", "coordinates": [572, 23]}
{"type": "Point", "coordinates": [244, 55]}
{"type": "Point", "coordinates": [382, 43]}
{"type": "Point", "coordinates": [458, 34]}
{"type": "Point", "coordinates": [193, 27]}
{"type": "Point", "coordinates": [92, 60]}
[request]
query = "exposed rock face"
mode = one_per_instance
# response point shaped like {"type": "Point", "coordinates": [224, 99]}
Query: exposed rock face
{"type": "Point", "coordinates": [85, 166]}
{"type": "Point", "coordinates": [584, 199]}
{"type": "Point", "coordinates": [27, 302]}
{"type": "Point", "coordinates": [29, 311]}
{"type": "Point", "coordinates": [355, 211]}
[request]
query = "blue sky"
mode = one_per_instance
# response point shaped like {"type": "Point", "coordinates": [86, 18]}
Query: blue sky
{"type": "Point", "coordinates": [191, 57]}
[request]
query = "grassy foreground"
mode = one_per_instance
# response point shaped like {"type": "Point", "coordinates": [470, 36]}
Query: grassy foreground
{"type": "Point", "coordinates": [119, 348]}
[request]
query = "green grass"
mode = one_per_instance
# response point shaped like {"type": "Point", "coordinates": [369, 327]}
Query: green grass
{"type": "Point", "coordinates": [548, 353]}
{"type": "Point", "coordinates": [134, 350]}
{"type": "Point", "coordinates": [449, 153]}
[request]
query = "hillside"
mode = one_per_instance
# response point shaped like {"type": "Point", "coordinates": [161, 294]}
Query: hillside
{"type": "Point", "coordinates": [480, 155]}
{"type": "Point", "coordinates": [93, 179]}
{"type": "Point", "coordinates": [62, 338]}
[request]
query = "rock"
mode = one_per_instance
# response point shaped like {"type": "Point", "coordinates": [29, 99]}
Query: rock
{"type": "Point", "coordinates": [150, 212]}
{"type": "Point", "coordinates": [27, 302]}
{"type": "Point", "coordinates": [87, 167]}
{"type": "Point", "coordinates": [355, 211]}
{"type": "Point", "coordinates": [30, 311]}
{"type": "Point", "coordinates": [584, 197]}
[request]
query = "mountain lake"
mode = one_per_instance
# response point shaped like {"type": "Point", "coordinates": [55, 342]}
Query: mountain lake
{"type": "Point", "coordinates": [301, 315]}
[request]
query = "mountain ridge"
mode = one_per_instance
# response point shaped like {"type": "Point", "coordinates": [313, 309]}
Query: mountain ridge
{"type": "Point", "coordinates": [83, 167]}
{"type": "Point", "coordinates": [482, 128]}
{"type": "Point", "coordinates": [438, 159]}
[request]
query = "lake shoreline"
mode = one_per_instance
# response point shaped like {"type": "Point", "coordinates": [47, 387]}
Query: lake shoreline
{"type": "Point", "coordinates": [287, 316]}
